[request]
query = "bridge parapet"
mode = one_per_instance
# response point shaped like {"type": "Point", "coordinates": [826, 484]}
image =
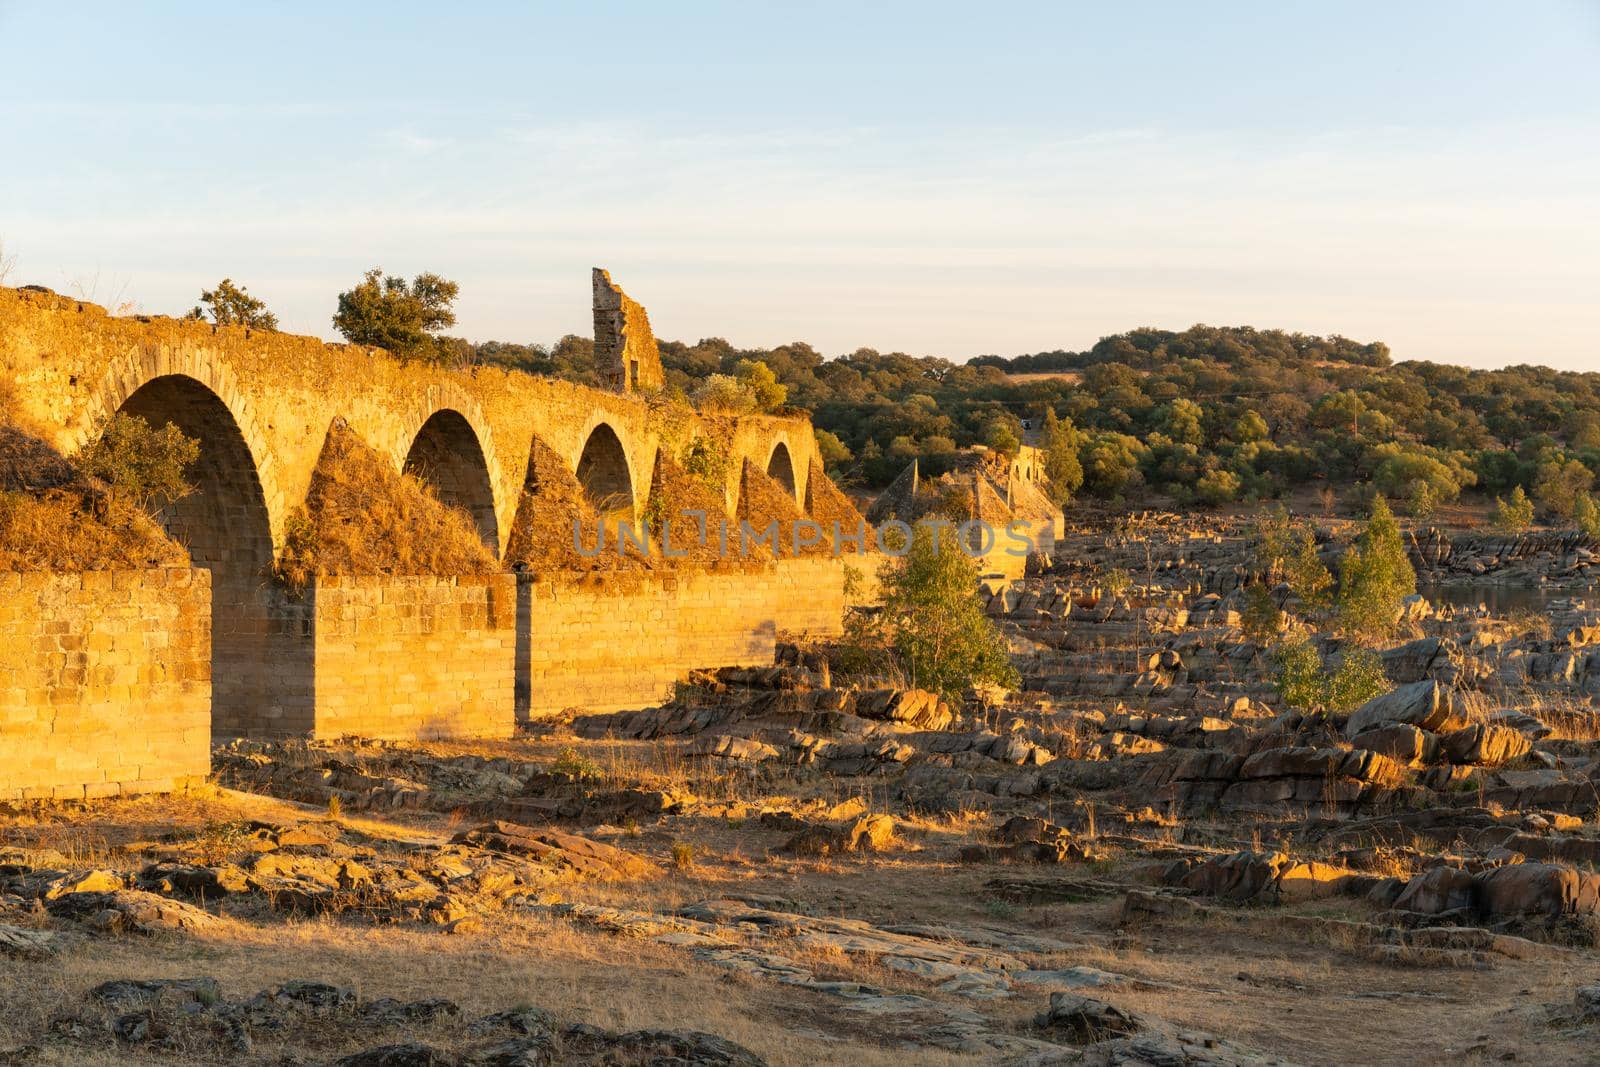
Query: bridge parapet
{"type": "Point", "coordinates": [277, 394]}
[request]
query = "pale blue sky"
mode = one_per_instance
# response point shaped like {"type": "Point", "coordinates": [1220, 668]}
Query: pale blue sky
{"type": "Point", "coordinates": [949, 179]}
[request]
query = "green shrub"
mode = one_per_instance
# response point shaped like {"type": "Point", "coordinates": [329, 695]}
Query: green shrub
{"type": "Point", "coordinates": [1305, 682]}
{"type": "Point", "coordinates": [1374, 577]}
{"type": "Point", "coordinates": [1261, 620]}
{"type": "Point", "coordinates": [1586, 514]}
{"type": "Point", "coordinates": [142, 465]}
{"type": "Point", "coordinates": [1299, 675]}
{"type": "Point", "coordinates": [1512, 516]}
{"type": "Point", "coordinates": [574, 766]}
{"type": "Point", "coordinates": [1358, 678]}
{"type": "Point", "coordinates": [935, 622]}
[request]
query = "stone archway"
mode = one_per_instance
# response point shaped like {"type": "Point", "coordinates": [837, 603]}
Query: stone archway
{"type": "Point", "coordinates": [780, 468]}
{"type": "Point", "coordinates": [447, 455]}
{"type": "Point", "coordinates": [604, 473]}
{"type": "Point", "coordinates": [225, 526]}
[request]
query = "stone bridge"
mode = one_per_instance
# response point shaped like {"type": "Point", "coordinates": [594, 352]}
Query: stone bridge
{"type": "Point", "coordinates": [261, 405]}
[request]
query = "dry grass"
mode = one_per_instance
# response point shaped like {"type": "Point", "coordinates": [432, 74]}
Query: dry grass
{"type": "Point", "coordinates": [1570, 718]}
{"type": "Point", "coordinates": [674, 493]}
{"type": "Point", "coordinates": [828, 504]}
{"type": "Point", "coordinates": [62, 530]}
{"type": "Point", "coordinates": [364, 518]}
{"type": "Point", "coordinates": [55, 518]}
{"type": "Point", "coordinates": [762, 502]}
{"type": "Point", "coordinates": [542, 532]}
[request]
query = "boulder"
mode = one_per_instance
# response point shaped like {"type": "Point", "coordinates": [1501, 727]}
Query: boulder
{"type": "Point", "coordinates": [131, 911]}
{"type": "Point", "coordinates": [22, 943]}
{"type": "Point", "coordinates": [1241, 876]}
{"type": "Point", "coordinates": [1420, 704]}
{"type": "Point", "coordinates": [871, 833]}
{"type": "Point", "coordinates": [1083, 1020]}
{"type": "Point", "coordinates": [1485, 744]}
{"type": "Point", "coordinates": [728, 747]}
{"type": "Point", "coordinates": [408, 1054]}
{"type": "Point", "coordinates": [1538, 889]}
{"type": "Point", "coordinates": [1401, 742]}
{"type": "Point", "coordinates": [914, 707]}
{"type": "Point", "coordinates": [557, 849]}
{"type": "Point", "coordinates": [1438, 890]}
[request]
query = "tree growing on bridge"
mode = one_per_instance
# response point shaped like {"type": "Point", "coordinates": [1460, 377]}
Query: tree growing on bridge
{"type": "Point", "coordinates": [1062, 469]}
{"type": "Point", "coordinates": [142, 465]}
{"type": "Point", "coordinates": [232, 305]}
{"type": "Point", "coordinates": [399, 316]}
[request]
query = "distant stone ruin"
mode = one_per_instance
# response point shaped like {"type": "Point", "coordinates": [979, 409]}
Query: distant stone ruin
{"type": "Point", "coordinates": [624, 347]}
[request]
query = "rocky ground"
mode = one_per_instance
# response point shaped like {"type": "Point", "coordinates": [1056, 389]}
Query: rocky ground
{"type": "Point", "coordinates": [1139, 858]}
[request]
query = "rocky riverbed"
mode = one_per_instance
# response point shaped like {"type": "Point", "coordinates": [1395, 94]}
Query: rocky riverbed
{"type": "Point", "coordinates": [1140, 856]}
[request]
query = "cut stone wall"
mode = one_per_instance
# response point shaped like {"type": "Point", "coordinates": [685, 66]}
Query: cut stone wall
{"type": "Point", "coordinates": [605, 645]}
{"type": "Point", "coordinates": [406, 658]}
{"type": "Point", "coordinates": [104, 682]}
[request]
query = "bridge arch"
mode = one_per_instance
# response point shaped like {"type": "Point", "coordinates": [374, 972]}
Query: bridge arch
{"type": "Point", "coordinates": [605, 474]}
{"type": "Point", "coordinates": [780, 468]}
{"type": "Point", "coordinates": [444, 438]}
{"type": "Point", "coordinates": [448, 455]}
{"type": "Point", "coordinates": [131, 375]}
{"type": "Point", "coordinates": [224, 521]}
{"type": "Point", "coordinates": [226, 526]}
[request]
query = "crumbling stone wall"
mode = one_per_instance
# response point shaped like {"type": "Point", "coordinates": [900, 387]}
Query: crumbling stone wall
{"type": "Point", "coordinates": [624, 347]}
{"type": "Point", "coordinates": [104, 682]}
{"type": "Point", "coordinates": [262, 405]}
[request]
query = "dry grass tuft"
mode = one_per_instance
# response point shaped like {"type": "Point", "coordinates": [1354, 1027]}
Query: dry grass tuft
{"type": "Point", "coordinates": [362, 517]}
{"type": "Point", "coordinates": [70, 530]}
{"type": "Point", "coordinates": [762, 501]}
{"type": "Point", "coordinates": [541, 534]}
{"type": "Point", "coordinates": [55, 518]}
{"type": "Point", "coordinates": [827, 503]}
{"type": "Point", "coordinates": [674, 492]}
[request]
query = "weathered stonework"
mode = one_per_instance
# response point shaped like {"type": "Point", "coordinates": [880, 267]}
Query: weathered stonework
{"type": "Point", "coordinates": [624, 346]}
{"type": "Point", "coordinates": [104, 682]}
{"type": "Point", "coordinates": [117, 683]}
{"type": "Point", "coordinates": [414, 657]}
{"type": "Point", "coordinates": [262, 404]}
{"type": "Point", "coordinates": [608, 645]}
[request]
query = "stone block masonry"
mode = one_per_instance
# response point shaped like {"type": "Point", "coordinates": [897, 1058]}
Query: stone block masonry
{"type": "Point", "coordinates": [402, 658]}
{"type": "Point", "coordinates": [105, 683]}
{"type": "Point", "coordinates": [623, 642]}
{"type": "Point", "coordinates": [106, 677]}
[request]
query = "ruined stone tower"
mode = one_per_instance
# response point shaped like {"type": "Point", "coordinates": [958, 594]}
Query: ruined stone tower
{"type": "Point", "coordinates": [624, 348]}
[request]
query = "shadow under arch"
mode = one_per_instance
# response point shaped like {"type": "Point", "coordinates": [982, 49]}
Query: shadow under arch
{"type": "Point", "coordinates": [780, 468]}
{"type": "Point", "coordinates": [447, 454]}
{"type": "Point", "coordinates": [606, 478]}
{"type": "Point", "coordinates": [260, 672]}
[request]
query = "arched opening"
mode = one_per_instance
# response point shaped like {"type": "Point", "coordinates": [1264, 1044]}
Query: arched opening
{"type": "Point", "coordinates": [225, 527]}
{"type": "Point", "coordinates": [603, 473]}
{"type": "Point", "coordinates": [447, 456]}
{"type": "Point", "coordinates": [780, 468]}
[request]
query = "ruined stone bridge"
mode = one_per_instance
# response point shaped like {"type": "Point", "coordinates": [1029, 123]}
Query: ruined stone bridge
{"type": "Point", "coordinates": [262, 404]}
